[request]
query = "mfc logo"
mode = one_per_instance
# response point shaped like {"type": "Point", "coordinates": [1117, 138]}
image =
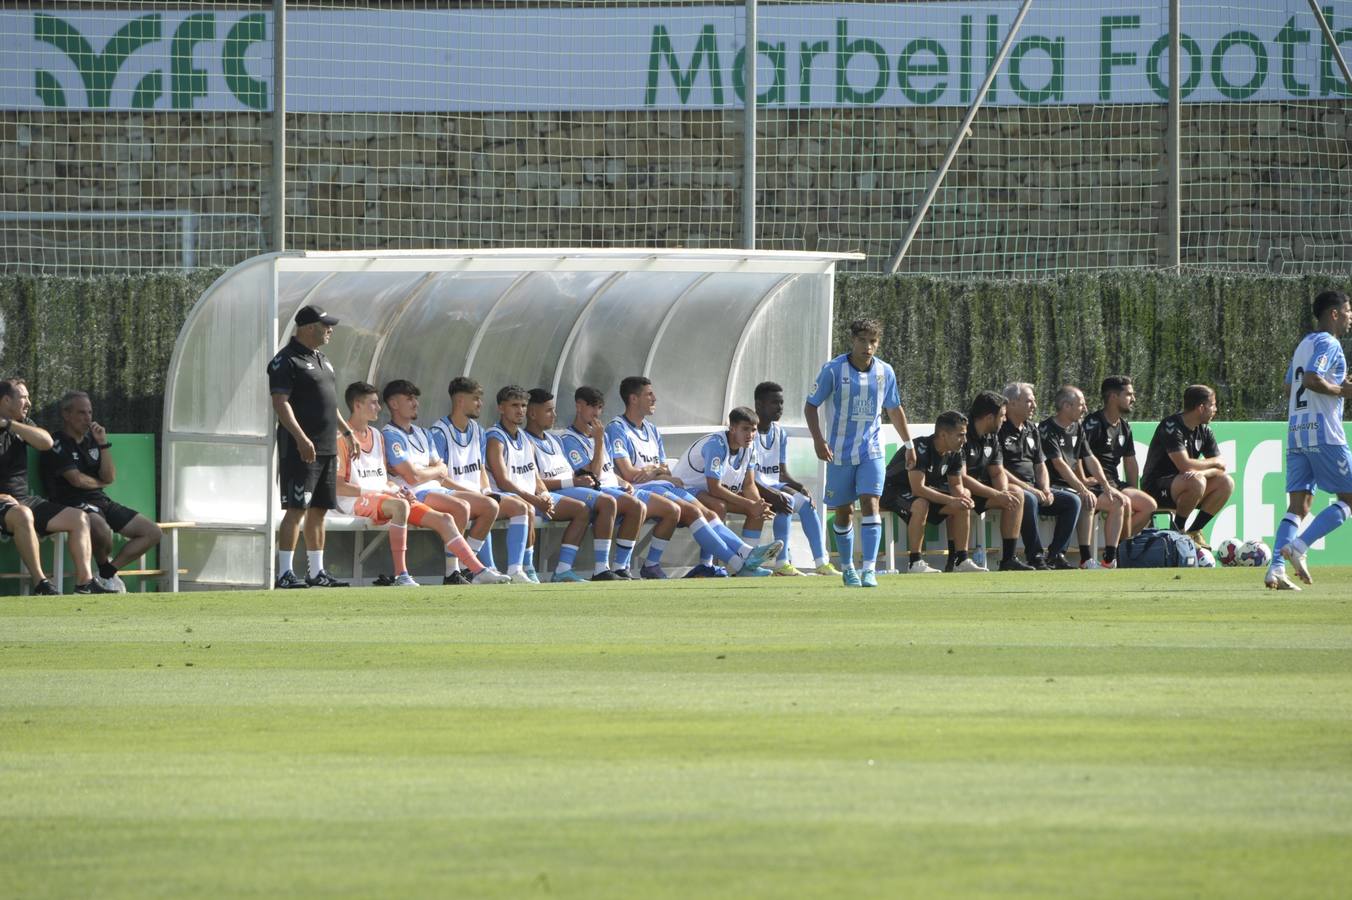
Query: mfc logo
{"type": "Point", "coordinates": [149, 34]}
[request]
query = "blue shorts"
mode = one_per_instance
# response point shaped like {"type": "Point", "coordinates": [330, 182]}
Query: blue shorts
{"type": "Point", "coordinates": [847, 483]}
{"type": "Point", "coordinates": [1325, 466]}
{"type": "Point", "coordinates": [586, 495]}
{"type": "Point", "coordinates": [667, 489]}
{"type": "Point", "coordinates": [422, 495]}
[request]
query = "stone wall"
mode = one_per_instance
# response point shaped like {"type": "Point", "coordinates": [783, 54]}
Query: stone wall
{"type": "Point", "coordinates": [1034, 190]}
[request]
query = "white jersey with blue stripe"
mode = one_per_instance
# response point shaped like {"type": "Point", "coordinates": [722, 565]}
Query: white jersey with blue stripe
{"type": "Point", "coordinates": [579, 448]}
{"type": "Point", "coordinates": [413, 446]}
{"type": "Point", "coordinates": [462, 451]}
{"type": "Point", "coordinates": [854, 413]}
{"type": "Point", "coordinates": [712, 457]}
{"type": "Point", "coordinates": [518, 456]}
{"type": "Point", "coordinates": [772, 455]}
{"type": "Point", "coordinates": [550, 459]}
{"type": "Point", "coordinates": [641, 446]}
{"type": "Point", "coordinates": [1315, 418]}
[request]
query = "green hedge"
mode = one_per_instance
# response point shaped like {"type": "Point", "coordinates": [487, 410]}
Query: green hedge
{"type": "Point", "coordinates": [111, 336]}
{"type": "Point", "coordinates": [949, 339]}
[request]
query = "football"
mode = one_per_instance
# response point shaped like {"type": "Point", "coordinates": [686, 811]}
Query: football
{"type": "Point", "coordinates": [1254, 553]}
{"type": "Point", "coordinates": [1204, 559]}
{"type": "Point", "coordinates": [1227, 551]}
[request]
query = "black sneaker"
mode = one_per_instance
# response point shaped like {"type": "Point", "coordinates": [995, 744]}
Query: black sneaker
{"type": "Point", "coordinates": [325, 580]}
{"type": "Point", "coordinates": [289, 580]}
{"type": "Point", "coordinates": [1037, 562]}
{"type": "Point", "coordinates": [1014, 564]}
{"type": "Point", "coordinates": [46, 589]}
{"type": "Point", "coordinates": [605, 576]}
{"type": "Point", "coordinates": [457, 577]}
{"type": "Point", "coordinates": [92, 587]}
{"type": "Point", "coordinates": [623, 575]}
{"type": "Point", "coordinates": [1060, 563]}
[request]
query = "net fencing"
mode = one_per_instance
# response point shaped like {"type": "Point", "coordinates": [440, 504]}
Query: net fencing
{"type": "Point", "coordinates": [139, 135]}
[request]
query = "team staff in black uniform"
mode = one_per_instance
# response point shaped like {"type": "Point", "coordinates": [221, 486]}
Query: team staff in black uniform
{"type": "Point", "coordinates": [1109, 435]}
{"type": "Point", "coordinates": [75, 472]}
{"type": "Point", "coordinates": [934, 491]}
{"type": "Point", "coordinates": [1183, 468]}
{"type": "Point", "coordinates": [986, 477]}
{"type": "Point", "coordinates": [1026, 467]}
{"type": "Point", "coordinates": [27, 517]}
{"type": "Point", "coordinates": [305, 399]}
{"type": "Point", "coordinates": [1070, 461]}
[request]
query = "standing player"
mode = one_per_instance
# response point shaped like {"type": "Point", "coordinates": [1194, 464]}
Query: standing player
{"type": "Point", "coordinates": [785, 494]}
{"type": "Point", "coordinates": [459, 441]}
{"type": "Point", "coordinates": [860, 388]}
{"type": "Point", "coordinates": [512, 471]}
{"type": "Point", "coordinates": [364, 489]}
{"type": "Point", "coordinates": [719, 469]}
{"type": "Point", "coordinates": [1070, 460]}
{"type": "Point", "coordinates": [414, 464]}
{"type": "Point", "coordinates": [986, 479]}
{"type": "Point", "coordinates": [935, 492]}
{"type": "Point", "coordinates": [1183, 467]}
{"type": "Point", "coordinates": [1109, 435]}
{"type": "Point", "coordinates": [584, 441]}
{"type": "Point", "coordinates": [640, 458]}
{"type": "Point", "coordinates": [1316, 445]}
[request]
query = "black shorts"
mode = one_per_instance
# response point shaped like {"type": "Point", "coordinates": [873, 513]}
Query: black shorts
{"type": "Point", "coordinates": [935, 516]}
{"type": "Point", "coordinates": [309, 485]}
{"type": "Point", "coordinates": [43, 509]}
{"type": "Point", "coordinates": [1158, 490]}
{"type": "Point", "coordinates": [980, 504]}
{"type": "Point", "coordinates": [1097, 489]}
{"type": "Point", "coordinates": [115, 514]}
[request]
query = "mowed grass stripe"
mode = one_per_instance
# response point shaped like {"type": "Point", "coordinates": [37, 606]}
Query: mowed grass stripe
{"type": "Point", "coordinates": [778, 738]}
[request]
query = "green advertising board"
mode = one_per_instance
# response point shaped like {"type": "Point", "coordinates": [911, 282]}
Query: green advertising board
{"type": "Point", "coordinates": [1255, 454]}
{"type": "Point", "coordinates": [135, 486]}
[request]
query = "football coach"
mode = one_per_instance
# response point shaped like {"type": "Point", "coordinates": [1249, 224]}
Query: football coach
{"type": "Point", "coordinates": [305, 398]}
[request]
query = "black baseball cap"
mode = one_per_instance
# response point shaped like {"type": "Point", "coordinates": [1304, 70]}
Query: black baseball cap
{"type": "Point", "coordinates": [309, 315]}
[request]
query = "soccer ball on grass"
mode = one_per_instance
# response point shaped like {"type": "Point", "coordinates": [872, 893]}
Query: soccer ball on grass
{"type": "Point", "coordinates": [1254, 553]}
{"type": "Point", "coordinates": [1227, 551]}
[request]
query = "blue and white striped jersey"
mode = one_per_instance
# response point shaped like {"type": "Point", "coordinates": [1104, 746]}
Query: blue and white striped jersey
{"type": "Point", "coordinates": [712, 457]}
{"type": "Point", "coordinates": [412, 446]}
{"type": "Point", "coordinates": [550, 459]}
{"type": "Point", "coordinates": [772, 455]}
{"type": "Point", "coordinates": [463, 451]}
{"type": "Point", "coordinates": [578, 446]}
{"type": "Point", "coordinates": [641, 446]}
{"type": "Point", "coordinates": [1315, 418]}
{"type": "Point", "coordinates": [854, 415]}
{"type": "Point", "coordinates": [518, 457]}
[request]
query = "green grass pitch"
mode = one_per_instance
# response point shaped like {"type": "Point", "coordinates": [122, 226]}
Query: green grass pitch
{"type": "Point", "coordinates": [1120, 734]}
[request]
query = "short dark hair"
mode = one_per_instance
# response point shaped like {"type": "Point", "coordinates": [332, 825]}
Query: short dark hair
{"type": "Point", "coordinates": [512, 392]}
{"type": "Point", "coordinates": [1114, 384]}
{"type": "Point", "coordinates": [740, 414]}
{"type": "Point", "coordinates": [866, 326]}
{"type": "Point", "coordinates": [400, 387]}
{"type": "Point", "coordinates": [536, 396]}
{"type": "Point", "coordinates": [767, 387]}
{"type": "Point", "coordinates": [951, 421]}
{"type": "Point", "coordinates": [589, 395]}
{"type": "Point", "coordinates": [462, 384]}
{"type": "Point", "coordinates": [1326, 301]}
{"type": "Point", "coordinates": [69, 398]}
{"type": "Point", "coordinates": [632, 386]}
{"type": "Point", "coordinates": [10, 386]}
{"type": "Point", "coordinates": [1196, 395]}
{"type": "Point", "coordinates": [356, 390]}
{"type": "Point", "coordinates": [986, 403]}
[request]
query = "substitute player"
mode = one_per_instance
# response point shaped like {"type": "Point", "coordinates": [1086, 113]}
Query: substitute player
{"type": "Point", "coordinates": [1316, 445]}
{"type": "Point", "coordinates": [640, 458]}
{"type": "Point", "coordinates": [1183, 467]}
{"type": "Point", "coordinates": [364, 489]}
{"type": "Point", "coordinates": [986, 479]}
{"type": "Point", "coordinates": [1109, 436]}
{"type": "Point", "coordinates": [860, 388]}
{"type": "Point", "coordinates": [414, 464]}
{"type": "Point", "coordinates": [584, 441]}
{"type": "Point", "coordinates": [936, 492]}
{"type": "Point", "coordinates": [719, 469]}
{"type": "Point", "coordinates": [786, 495]}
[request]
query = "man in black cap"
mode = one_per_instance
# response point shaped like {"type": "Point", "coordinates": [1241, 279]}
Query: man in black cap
{"type": "Point", "coordinates": [305, 399]}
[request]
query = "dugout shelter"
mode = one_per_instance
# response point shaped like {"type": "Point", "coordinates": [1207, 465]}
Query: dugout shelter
{"type": "Point", "coordinates": [705, 325]}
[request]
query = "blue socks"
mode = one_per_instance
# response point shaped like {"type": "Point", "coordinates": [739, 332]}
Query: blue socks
{"type": "Point", "coordinates": [845, 544]}
{"type": "Point", "coordinates": [1287, 529]}
{"type": "Point", "coordinates": [516, 540]}
{"type": "Point", "coordinates": [484, 551]}
{"type": "Point", "coordinates": [735, 545]}
{"type": "Point", "coordinates": [781, 532]}
{"type": "Point", "coordinates": [709, 540]}
{"type": "Point", "coordinates": [567, 556]}
{"type": "Point", "coordinates": [812, 528]}
{"type": "Point", "coordinates": [656, 548]}
{"type": "Point", "coordinates": [1323, 523]}
{"type": "Point", "coordinates": [624, 551]}
{"type": "Point", "coordinates": [870, 537]}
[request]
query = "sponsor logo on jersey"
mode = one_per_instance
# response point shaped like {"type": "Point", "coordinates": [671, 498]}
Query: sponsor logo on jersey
{"type": "Point", "coordinates": [397, 451]}
{"type": "Point", "coordinates": [575, 457]}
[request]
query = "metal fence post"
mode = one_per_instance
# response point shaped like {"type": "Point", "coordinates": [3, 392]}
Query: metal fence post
{"type": "Point", "coordinates": [1173, 202]}
{"type": "Point", "coordinates": [279, 125]}
{"type": "Point", "coordinates": [749, 132]}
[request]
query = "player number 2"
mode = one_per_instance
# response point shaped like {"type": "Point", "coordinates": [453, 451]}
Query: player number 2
{"type": "Point", "coordinates": [1301, 402]}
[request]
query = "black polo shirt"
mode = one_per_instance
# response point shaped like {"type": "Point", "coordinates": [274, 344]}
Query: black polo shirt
{"type": "Point", "coordinates": [980, 453]}
{"type": "Point", "coordinates": [1066, 443]}
{"type": "Point", "coordinates": [14, 463]}
{"type": "Point", "coordinates": [938, 467]}
{"type": "Point", "coordinates": [307, 379]}
{"type": "Point", "coordinates": [1174, 434]}
{"type": "Point", "coordinates": [1109, 443]}
{"type": "Point", "coordinates": [1021, 450]}
{"type": "Point", "coordinates": [66, 454]}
